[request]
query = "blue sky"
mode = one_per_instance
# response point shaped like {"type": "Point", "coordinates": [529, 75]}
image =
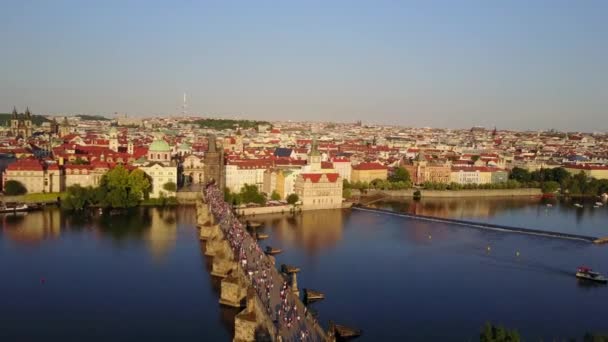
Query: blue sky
{"type": "Point", "coordinates": [513, 64]}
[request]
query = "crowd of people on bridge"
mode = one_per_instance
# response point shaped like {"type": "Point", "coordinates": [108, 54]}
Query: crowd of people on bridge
{"type": "Point", "coordinates": [280, 304]}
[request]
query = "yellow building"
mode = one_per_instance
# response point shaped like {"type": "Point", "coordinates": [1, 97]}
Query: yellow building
{"type": "Point", "coordinates": [367, 172]}
{"type": "Point", "coordinates": [34, 176]}
{"type": "Point", "coordinates": [595, 171]}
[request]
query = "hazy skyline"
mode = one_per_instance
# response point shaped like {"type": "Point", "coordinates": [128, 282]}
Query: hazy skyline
{"type": "Point", "coordinates": [514, 64]}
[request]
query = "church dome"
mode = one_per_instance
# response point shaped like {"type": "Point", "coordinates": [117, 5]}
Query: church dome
{"type": "Point", "coordinates": [160, 146]}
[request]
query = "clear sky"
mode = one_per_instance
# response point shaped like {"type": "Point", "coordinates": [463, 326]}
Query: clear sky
{"type": "Point", "coordinates": [513, 64]}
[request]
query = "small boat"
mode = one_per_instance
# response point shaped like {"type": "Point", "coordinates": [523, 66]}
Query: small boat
{"type": "Point", "coordinates": [599, 204]}
{"type": "Point", "coordinates": [313, 296]}
{"type": "Point", "coordinates": [14, 208]}
{"type": "Point", "coordinates": [289, 269]}
{"type": "Point", "coordinates": [578, 205]}
{"type": "Point", "coordinates": [272, 251]}
{"type": "Point", "coordinates": [261, 236]}
{"type": "Point", "coordinates": [588, 274]}
{"type": "Point", "coordinates": [549, 205]}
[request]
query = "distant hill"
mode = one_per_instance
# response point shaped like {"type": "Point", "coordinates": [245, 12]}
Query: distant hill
{"type": "Point", "coordinates": [221, 124]}
{"type": "Point", "coordinates": [92, 117]}
{"type": "Point", "coordinates": [5, 119]}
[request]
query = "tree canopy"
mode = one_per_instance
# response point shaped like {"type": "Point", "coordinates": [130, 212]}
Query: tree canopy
{"type": "Point", "coordinates": [275, 196]}
{"type": "Point", "coordinates": [293, 199]}
{"type": "Point", "coordinates": [170, 186]}
{"type": "Point", "coordinates": [14, 188]}
{"type": "Point", "coordinates": [400, 175]}
{"type": "Point", "coordinates": [492, 333]}
{"type": "Point", "coordinates": [221, 124]}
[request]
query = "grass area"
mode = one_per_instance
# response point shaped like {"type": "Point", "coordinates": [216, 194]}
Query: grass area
{"type": "Point", "coordinates": [41, 197]}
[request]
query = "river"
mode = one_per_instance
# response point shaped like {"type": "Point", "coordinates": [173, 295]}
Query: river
{"type": "Point", "coordinates": [142, 275]}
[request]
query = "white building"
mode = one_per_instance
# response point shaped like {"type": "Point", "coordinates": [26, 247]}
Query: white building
{"type": "Point", "coordinates": [160, 175]}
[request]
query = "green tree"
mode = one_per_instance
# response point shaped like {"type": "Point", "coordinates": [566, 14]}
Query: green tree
{"type": "Point", "coordinates": [275, 196]}
{"type": "Point", "coordinates": [346, 193]}
{"type": "Point", "coordinates": [251, 194]}
{"type": "Point", "coordinates": [78, 197]}
{"type": "Point", "coordinates": [120, 188]}
{"type": "Point", "coordinates": [520, 175]}
{"type": "Point", "coordinates": [549, 187]}
{"type": "Point", "coordinates": [400, 175]}
{"type": "Point", "coordinates": [293, 199]}
{"type": "Point", "coordinates": [14, 188]}
{"type": "Point", "coordinates": [492, 333]}
{"type": "Point", "coordinates": [170, 186]}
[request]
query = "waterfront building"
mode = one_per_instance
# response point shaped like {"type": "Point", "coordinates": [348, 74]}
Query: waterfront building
{"type": "Point", "coordinates": [471, 175]}
{"type": "Point", "coordinates": [595, 171]}
{"type": "Point", "coordinates": [343, 166]}
{"type": "Point", "coordinates": [246, 171]}
{"type": "Point", "coordinates": [84, 175]}
{"type": "Point", "coordinates": [319, 190]}
{"type": "Point", "coordinates": [35, 176]}
{"type": "Point", "coordinates": [422, 171]}
{"type": "Point", "coordinates": [160, 174]}
{"type": "Point", "coordinates": [367, 172]}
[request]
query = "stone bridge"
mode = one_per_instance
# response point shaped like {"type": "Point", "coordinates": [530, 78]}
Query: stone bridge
{"type": "Point", "coordinates": [272, 309]}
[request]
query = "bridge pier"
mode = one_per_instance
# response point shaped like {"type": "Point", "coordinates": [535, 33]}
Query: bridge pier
{"type": "Point", "coordinates": [222, 264]}
{"type": "Point", "coordinates": [233, 290]}
{"type": "Point", "coordinates": [209, 232]}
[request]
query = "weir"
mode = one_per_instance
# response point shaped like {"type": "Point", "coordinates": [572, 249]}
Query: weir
{"type": "Point", "coordinates": [272, 309]}
{"type": "Point", "coordinates": [488, 226]}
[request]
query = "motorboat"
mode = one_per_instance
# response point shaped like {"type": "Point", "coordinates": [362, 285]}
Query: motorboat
{"type": "Point", "coordinates": [578, 205]}
{"type": "Point", "coordinates": [599, 204]}
{"type": "Point", "coordinates": [549, 205]}
{"type": "Point", "coordinates": [587, 273]}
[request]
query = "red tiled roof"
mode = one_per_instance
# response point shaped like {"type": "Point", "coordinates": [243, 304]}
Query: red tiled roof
{"type": "Point", "coordinates": [316, 177]}
{"type": "Point", "coordinates": [25, 165]}
{"type": "Point", "coordinates": [370, 166]}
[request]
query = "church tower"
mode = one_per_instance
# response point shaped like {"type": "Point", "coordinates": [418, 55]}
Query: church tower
{"type": "Point", "coordinates": [113, 142]}
{"type": "Point", "coordinates": [214, 163]}
{"type": "Point", "coordinates": [15, 122]}
{"type": "Point", "coordinates": [65, 127]}
{"type": "Point", "coordinates": [314, 158]}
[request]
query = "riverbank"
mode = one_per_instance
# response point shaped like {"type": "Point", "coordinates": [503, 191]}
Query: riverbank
{"type": "Point", "coordinates": [282, 209]}
{"type": "Point", "coordinates": [456, 193]}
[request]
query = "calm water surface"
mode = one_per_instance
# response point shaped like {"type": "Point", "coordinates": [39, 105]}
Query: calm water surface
{"type": "Point", "coordinates": [143, 275]}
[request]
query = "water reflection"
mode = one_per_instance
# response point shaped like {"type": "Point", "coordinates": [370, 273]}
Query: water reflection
{"type": "Point", "coordinates": [314, 231]}
{"type": "Point", "coordinates": [156, 227]}
{"type": "Point", "coordinates": [531, 212]}
{"type": "Point", "coordinates": [32, 228]}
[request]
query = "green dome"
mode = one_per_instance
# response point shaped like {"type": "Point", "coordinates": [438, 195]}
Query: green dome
{"type": "Point", "coordinates": [160, 146]}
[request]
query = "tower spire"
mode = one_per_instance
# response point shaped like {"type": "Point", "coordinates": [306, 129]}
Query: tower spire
{"type": "Point", "coordinates": [14, 112]}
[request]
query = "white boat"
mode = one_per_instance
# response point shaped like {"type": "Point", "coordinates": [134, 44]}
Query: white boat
{"type": "Point", "coordinates": [15, 208]}
{"type": "Point", "coordinates": [578, 205]}
{"type": "Point", "coordinates": [549, 205]}
{"type": "Point", "coordinates": [588, 274]}
{"type": "Point", "coordinates": [599, 204]}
